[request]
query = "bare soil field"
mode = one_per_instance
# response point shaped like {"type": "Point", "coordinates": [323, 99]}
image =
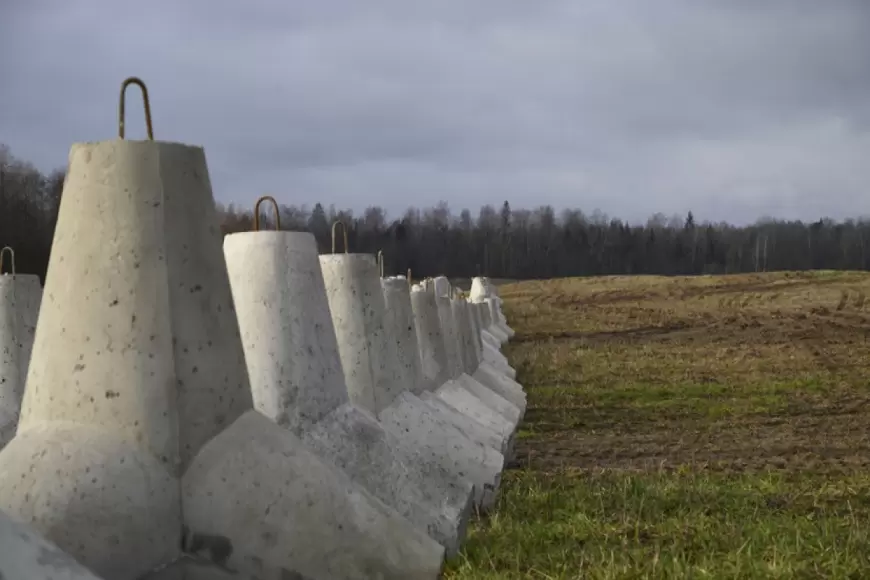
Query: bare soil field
{"type": "Point", "coordinates": [694, 427]}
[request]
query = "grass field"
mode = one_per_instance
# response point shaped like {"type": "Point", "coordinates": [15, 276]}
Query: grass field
{"type": "Point", "coordinates": [705, 427]}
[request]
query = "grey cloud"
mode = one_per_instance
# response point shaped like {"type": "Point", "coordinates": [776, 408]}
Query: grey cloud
{"type": "Point", "coordinates": [731, 108]}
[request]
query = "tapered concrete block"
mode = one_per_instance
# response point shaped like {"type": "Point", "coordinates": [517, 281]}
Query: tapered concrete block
{"type": "Point", "coordinates": [401, 330]}
{"type": "Point", "coordinates": [92, 464]}
{"type": "Point", "coordinates": [290, 347]}
{"type": "Point", "coordinates": [20, 296]}
{"type": "Point", "coordinates": [356, 305]}
{"type": "Point", "coordinates": [293, 358]}
{"type": "Point", "coordinates": [436, 439]}
{"type": "Point", "coordinates": [431, 343]}
{"type": "Point", "coordinates": [137, 387]}
{"type": "Point", "coordinates": [25, 555]}
{"type": "Point", "coordinates": [451, 336]}
{"type": "Point", "coordinates": [490, 398]}
{"type": "Point", "coordinates": [371, 359]}
{"type": "Point", "coordinates": [260, 504]}
{"type": "Point", "coordinates": [430, 339]}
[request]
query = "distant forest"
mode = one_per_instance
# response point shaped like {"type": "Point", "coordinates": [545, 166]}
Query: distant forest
{"type": "Point", "coordinates": [501, 242]}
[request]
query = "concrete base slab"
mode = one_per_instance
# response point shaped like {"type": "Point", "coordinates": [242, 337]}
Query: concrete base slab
{"type": "Point", "coordinates": [494, 380]}
{"type": "Point", "coordinates": [259, 503]}
{"type": "Point", "coordinates": [488, 338]}
{"type": "Point", "coordinates": [438, 440]}
{"type": "Point", "coordinates": [471, 428]}
{"type": "Point", "coordinates": [498, 333]}
{"type": "Point", "coordinates": [494, 357]}
{"type": "Point", "coordinates": [432, 496]}
{"type": "Point", "coordinates": [25, 555]}
{"type": "Point", "coordinates": [490, 398]}
{"type": "Point", "coordinates": [120, 514]}
{"type": "Point", "coordinates": [466, 403]}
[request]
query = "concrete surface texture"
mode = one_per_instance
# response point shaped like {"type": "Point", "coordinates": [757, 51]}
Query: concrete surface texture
{"type": "Point", "coordinates": [441, 443]}
{"type": "Point", "coordinates": [261, 504]}
{"type": "Point", "coordinates": [497, 317]}
{"type": "Point", "coordinates": [490, 398]}
{"type": "Point", "coordinates": [431, 493]}
{"type": "Point", "coordinates": [98, 433]}
{"type": "Point", "coordinates": [464, 401]}
{"type": "Point", "coordinates": [25, 555]}
{"type": "Point", "coordinates": [450, 335]}
{"type": "Point", "coordinates": [20, 296]}
{"type": "Point", "coordinates": [289, 341]}
{"type": "Point", "coordinates": [436, 439]}
{"type": "Point", "coordinates": [138, 376]}
{"type": "Point", "coordinates": [430, 340]}
{"type": "Point", "coordinates": [441, 286]}
{"type": "Point", "coordinates": [432, 347]}
{"type": "Point", "coordinates": [473, 429]}
{"type": "Point", "coordinates": [492, 325]}
{"type": "Point", "coordinates": [401, 330]}
{"type": "Point", "coordinates": [356, 304]}
{"type": "Point", "coordinates": [475, 322]}
{"type": "Point", "coordinates": [293, 354]}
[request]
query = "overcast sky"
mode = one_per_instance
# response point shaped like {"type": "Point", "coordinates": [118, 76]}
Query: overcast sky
{"type": "Point", "coordinates": [732, 108]}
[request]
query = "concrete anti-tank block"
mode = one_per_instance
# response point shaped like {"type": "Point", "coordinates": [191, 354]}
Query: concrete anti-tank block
{"type": "Point", "coordinates": [472, 429]}
{"type": "Point", "coordinates": [290, 347]}
{"type": "Point", "coordinates": [501, 385]}
{"type": "Point", "coordinates": [490, 398]}
{"type": "Point", "coordinates": [137, 364]}
{"type": "Point", "coordinates": [20, 296]}
{"type": "Point", "coordinates": [259, 503]}
{"type": "Point", "coordinates": [450, 335]}
{"type": "Point", "coordinates": [393, 469]}
{"type": "Point", "coordinates": [442, 442]}
{"type": "Point", "coordinates": [430, 339]}
{"type": "Point", "coordinates": [401, 330]}
{"type": "Point", "coordinates": [353, 289]}
{"type": "Point", "coordinates": [111, 505]}
{"type": "Point", "coordinates": [433, 437]}
{"type": "Point", "coordinates": [25, 555]}
{"type": "Point", "coordinates": [99, 403]}
{"type": "Point", "coordinates": [461, 399]}
{"type": "Point", "coordinates": [293, 358]}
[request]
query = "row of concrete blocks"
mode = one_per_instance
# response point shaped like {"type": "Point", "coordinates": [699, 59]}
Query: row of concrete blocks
{"type": "Point", "coordinates": [244, 409]}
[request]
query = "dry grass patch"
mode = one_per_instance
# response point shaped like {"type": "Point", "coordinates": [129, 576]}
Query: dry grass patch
{"type": "Point", "coordinates": [710, 427]}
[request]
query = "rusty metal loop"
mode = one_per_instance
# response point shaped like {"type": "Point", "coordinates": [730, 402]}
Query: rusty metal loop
{"type": "Point", "coordinates": [11, 254]}
{"type": "Point", "coordinates": [380, 260]}
{"type": "Point", "coordinates": [135, 81]}
{"type": "Point", "coordinates": [257, 212]}
{"type": "Point", "coordinates": [344, 231]}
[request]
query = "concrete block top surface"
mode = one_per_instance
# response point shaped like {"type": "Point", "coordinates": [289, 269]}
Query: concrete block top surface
{"type": "Point", "coordinates": [287, 331]}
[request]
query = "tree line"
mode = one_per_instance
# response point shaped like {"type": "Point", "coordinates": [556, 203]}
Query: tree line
{"type": "Point", "coordinates": [500, 242]}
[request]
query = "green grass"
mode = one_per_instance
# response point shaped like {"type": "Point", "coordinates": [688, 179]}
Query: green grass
{"type": "Point", "coordinates": [673, 525]}
{"type": "Point", "coordinates": [710, 427]}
